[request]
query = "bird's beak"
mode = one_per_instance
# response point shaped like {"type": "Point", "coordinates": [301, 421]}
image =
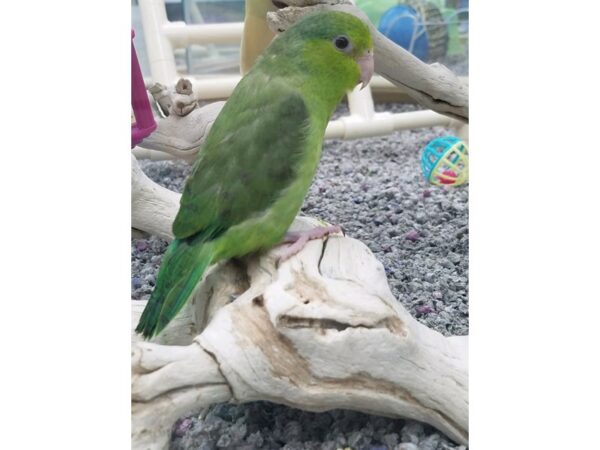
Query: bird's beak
{"type": "Point", "coordinates": [367, 66]}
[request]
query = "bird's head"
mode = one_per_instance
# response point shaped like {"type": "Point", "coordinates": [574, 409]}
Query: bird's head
{"type": "Point", "coordinates": [332, 45]}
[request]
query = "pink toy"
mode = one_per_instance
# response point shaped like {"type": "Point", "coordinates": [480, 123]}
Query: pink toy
{"type": "Point", "coordinates": [447, 177]}
{"type": "Point", "coordinates": [144, 119]}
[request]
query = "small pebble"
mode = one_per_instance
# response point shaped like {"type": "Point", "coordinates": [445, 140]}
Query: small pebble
{"type": "Point", "coordinates": [411, 432]}
{"type": "Point", "coordinates": [412, 235]}
{"type": "Point", "coordinates": [424, 309]}
{"type": "Point", "coordinates": [420, 218]}
{"type": "Point", "coordinates": [455, 257]}
{"type": "Point", "coordinates": [136, 283]}
{"type": "Point", "coordinates": [390, 440]}
{"type": "Point", "coordinates": [183, 426]}
{"type": "Point", "coordinates": [407, 446]}
{"type": "Point", "coordinates": [430, 442]}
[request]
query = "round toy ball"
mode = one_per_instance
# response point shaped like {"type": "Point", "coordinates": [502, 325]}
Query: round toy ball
{"type": "Point", "coordinates": [445, 161]}
{"type": "Point", "coordinates": [403, 25]}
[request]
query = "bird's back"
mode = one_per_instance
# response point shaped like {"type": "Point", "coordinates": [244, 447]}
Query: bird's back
{"type": "Point", "coordinates": [253, 152]}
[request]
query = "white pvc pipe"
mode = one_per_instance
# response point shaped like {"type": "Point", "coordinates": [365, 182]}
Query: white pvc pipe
{"type": "Point", "coordinates": [417, 119]}
{"type": "Point", "coordinates": [356, 127]}
{"type": "Point", "coordinates": [163, 36]}
{"type": "Point", "coordinates": [221, 87]}
{"type": "Point", "coordinates": [212, 88]}
{"type": "Point", "coordinates": [152, 155]}
{"type": "Point", "coordinates": [181, 35]}
{"type": "Point", "coordinates": [352, 127]}
{"type": "Point", "coordinates": [360, 102]}
{"type": "Point", "coordinates": [160, 51]}
{"type": "Point", "coordinates": [378, 82]}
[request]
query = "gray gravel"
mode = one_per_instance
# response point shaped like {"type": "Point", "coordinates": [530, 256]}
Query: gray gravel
{"type": "Point", "coordinates": [374, 189]}
{"type": "Point", "coordinates": [261, 425]}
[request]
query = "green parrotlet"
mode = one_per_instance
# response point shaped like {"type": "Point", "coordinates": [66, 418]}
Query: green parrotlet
{"type": "Point", "coordinates": [260, 156]}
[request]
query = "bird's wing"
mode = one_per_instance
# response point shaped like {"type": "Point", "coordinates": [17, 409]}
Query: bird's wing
{"type": "Point", "coordinates": [250, 156]}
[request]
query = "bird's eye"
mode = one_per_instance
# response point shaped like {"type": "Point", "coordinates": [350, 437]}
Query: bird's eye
{"type": "Point", "coordinates": [342, 43]}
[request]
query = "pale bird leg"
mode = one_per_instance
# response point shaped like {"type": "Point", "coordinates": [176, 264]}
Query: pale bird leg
{"type": "Point", "coordinates": [298, 239]}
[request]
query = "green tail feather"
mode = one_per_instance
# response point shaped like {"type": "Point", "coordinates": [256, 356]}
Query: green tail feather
{"type": "Point", "coordinates": [182, 268]}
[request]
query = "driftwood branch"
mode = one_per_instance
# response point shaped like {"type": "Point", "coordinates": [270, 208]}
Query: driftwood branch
{"type": "Point", "coordinates": [169, 382]}
{"type": "Point", "coordinates": [153, 207]}
{"type": "Point", "coordinates": [431, 85]}
{"type": "Point", "coordinates": [319, 331]}
{"type": "Point", "coordinates": [184, 129]}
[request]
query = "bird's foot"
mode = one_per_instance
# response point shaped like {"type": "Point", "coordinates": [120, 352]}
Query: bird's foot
{"type": "Point", "coordinates": [298, 239]}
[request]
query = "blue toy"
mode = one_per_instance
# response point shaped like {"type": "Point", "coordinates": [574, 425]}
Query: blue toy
{"type": "Point", "coordinates": [445, 162]}
{"type": "Point", "coordinates": [403, 25]}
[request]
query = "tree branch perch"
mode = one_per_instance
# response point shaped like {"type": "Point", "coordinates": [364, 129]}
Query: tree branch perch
{"type": "Point", "coordinates": [319, 331]}
{"type": "Point", "coordinates": [431, 85]}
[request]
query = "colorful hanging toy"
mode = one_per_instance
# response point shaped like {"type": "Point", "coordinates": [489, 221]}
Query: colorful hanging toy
{"type": "Point", "coordinates": [445, 162]}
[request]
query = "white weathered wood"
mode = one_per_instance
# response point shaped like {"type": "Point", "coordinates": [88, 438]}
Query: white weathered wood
{"type": "Point", "coordinates": [162, 96]}
{"type": "Point", "coordinates": [325, 332]}
{"type": "Point", "coordinates": [153, 207]}
{"type": "Point", "coordinates": [168, 382]}
{"type": "Point", "coordinates": [182, 134]}
{"type": "Point", "coordinates": [318, 331]}
{"type": "Point", "coordinates": [180, 331]}
{"type": "Point", "coordinates": [432, 85]}
{"type": "Point", "coordinates": [184, 100]}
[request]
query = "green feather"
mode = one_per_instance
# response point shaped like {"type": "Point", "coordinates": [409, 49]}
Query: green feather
{"type": "Point", "coordinates": [243, 166]}
{"type": "Point", "coordinates": [182, 268]}
{"type": "Point", "coordinates": [259, 158]}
